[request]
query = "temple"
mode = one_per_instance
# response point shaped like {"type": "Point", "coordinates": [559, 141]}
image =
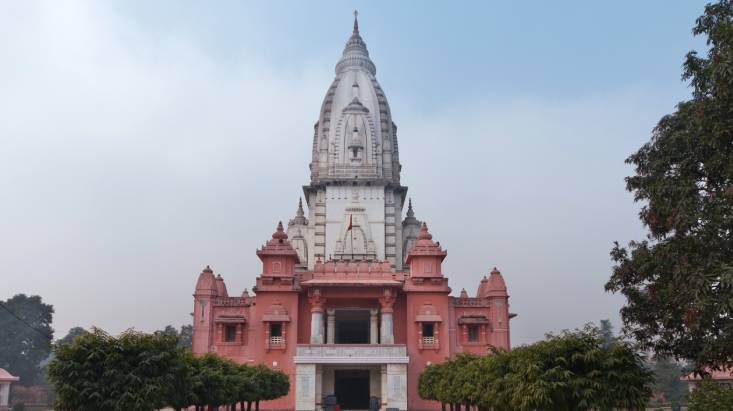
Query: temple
{"type": "Point", "coordinates": [351, 302]}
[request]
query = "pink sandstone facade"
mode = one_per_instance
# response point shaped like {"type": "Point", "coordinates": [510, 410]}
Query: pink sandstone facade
{"type": "Point", "coordinates": [350, 302]}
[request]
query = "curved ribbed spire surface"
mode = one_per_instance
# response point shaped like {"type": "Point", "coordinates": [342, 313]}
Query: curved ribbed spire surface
{"type": "Point", "coordinates": [355, 169]}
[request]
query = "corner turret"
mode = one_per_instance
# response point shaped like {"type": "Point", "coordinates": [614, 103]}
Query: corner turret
{"type": "Point", "coordinates": [426, 256]}
{"type": "Point", "coordinates": [494, 290]}
{"type": "Point", "coordinates": [277, 255]}
{"type": "Point", "coordinates": [206, 284]}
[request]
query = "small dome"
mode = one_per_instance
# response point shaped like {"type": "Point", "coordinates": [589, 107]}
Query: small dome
{"type": "Point", "coordinates": [206, 281]}
{"type": "Point", "coordinates": [483, 288]}
{"type": "Point", "coordinates": [492, 286]}
{"type": "Point", "coordinates": [221, 288]}
{"type": "Point", "coordinates": [496, 282]}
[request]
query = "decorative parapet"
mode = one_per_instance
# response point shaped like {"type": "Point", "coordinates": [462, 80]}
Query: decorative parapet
{"type": "Point", "coordinates": [349, 354]}
{"type": "Point", "coordinates": [232, 301]}
{"type": "Point", "coordinates": [471, 302]}
{"type": "Point", "coordinates": [334, 273]}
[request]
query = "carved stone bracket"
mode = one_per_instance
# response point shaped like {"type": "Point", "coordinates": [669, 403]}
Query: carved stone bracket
{"type": "Point", "coordinates": [386, 301]}
{"type": "Point", "coordinates": [316, 300]}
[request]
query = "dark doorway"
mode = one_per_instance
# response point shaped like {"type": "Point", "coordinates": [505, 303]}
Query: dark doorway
{"type": "Point", "coordinates": [352, 327]}
{"type": "Point", "coordinates": [352, 389]}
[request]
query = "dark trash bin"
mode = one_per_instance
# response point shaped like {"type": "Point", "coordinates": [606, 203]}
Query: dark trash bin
{"type": "Point", "coordinates": [373, 403]}
{"type": "Point", "coordinates": [329, 403]}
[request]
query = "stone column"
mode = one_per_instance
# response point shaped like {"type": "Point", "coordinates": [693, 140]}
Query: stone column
{"type": "Point", "coordinates": [4, 394]}
{"type": "Point", "coordinates": [373, 326]}
{"type": "Point", "coordinates": [386, 302]}
{"type": "Point", "coordinates": [387, 336]}
{"type": "Point", "coordinates": [305, 387]}
{"type": "Point", "coordinates": [316, 327]}
{"type": "Point", "coordinates": [331, 327]}
{"type": "Point", "coordinates": [317, 302]}
{"type": "Point", "coordinates": [397, 386]}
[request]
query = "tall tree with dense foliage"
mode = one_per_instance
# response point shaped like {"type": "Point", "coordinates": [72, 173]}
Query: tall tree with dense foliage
{"type": "Point", "coordinates": [77, 372]}
{"type": "Point", "coordinates": [427, 383]}
{"type": "Point", "coordinates": [145, 372]}
{"type": "Point", "coordinates": [275, 382]}
{"type": "Point", "coordinates": [131, 372]}
{"type": "Point", "coordinates": [181, 392]}
{"type": "Point", "coordinates": [679, 281]}
{"type": "Point", "coordinates": [25, 336]}
{"type": "Point", "coordinates": [576, 370]}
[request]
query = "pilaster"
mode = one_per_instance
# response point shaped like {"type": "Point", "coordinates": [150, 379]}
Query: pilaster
{"type": "Point", "coordinates": [305, 387]}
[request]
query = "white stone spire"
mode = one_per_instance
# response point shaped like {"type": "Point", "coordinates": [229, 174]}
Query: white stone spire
{"type": "Point", "coordinates": [355, 53]}
{"type": "Point", "coordinates": [355, 100]}
{"type": "Point", "coordinates": [355, 169]}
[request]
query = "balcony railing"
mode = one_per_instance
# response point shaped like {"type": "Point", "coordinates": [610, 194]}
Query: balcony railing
{"type": "Point", "coordinates": [428, 340]}
{"type": "Point", "coordinates": [351, 353]}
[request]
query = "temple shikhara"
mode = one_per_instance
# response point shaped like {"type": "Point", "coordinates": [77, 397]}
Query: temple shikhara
{"type": "Point", "coordinates": [351, 301]}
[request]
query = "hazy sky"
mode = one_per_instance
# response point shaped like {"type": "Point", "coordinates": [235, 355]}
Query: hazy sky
{"type": "Point", "coordinates": [140, 141]}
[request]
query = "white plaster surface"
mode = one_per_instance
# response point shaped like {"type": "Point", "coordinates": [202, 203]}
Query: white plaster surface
{"type": "Point", "coordinates": [397, 386]}
{"type": "Point", "coordinates": [305, 387]}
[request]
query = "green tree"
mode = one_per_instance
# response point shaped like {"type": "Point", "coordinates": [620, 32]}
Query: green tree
{"type": "Point", "coordinates": [208, 381]}
{"type": "Point", "coordinates": [215, 381]}
{"type": "Point", "coordinates": [181, 392]}
{"type": "Point", "coordinates": [575, 370]}
{"type": "Point", "coordinates": [70, 336]}
{"type": "Point", "coordinates": [131, 372]}
{"type": "Point", "coordinates": [712, 396]}
{"type": "Point", "coordinates": [246, 386]}
{"type": "Point", "coordinates": [428, 382]}
{"type": "Point", "coordinates": [25, 340]}
{"type": "Point", "coordinates": [271, 384]}
{"type": "Point", "coordinates": [679, 281]}
{"type": "Point", "coordinates": [278, 385]}
{"type": "Point", "coordinates": [77, 372]}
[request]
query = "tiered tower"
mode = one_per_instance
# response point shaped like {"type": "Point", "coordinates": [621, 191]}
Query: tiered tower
{"type": "Point", "coordinates": [354, 198]}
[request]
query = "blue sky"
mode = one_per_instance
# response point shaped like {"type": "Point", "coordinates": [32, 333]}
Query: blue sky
{"type": "Point", "coordinates": [144, 140]}
{"type": "Point", "coordinates": [456, 50]}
